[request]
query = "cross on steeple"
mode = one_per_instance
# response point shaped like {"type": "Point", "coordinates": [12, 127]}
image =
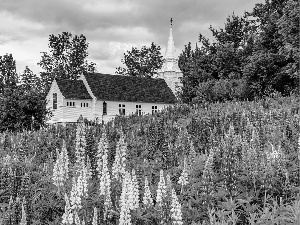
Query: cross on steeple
{"type": "Point", "coordinates": [171, 20]}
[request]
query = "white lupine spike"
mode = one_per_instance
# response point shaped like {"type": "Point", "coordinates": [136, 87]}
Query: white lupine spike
{"type": "Point", "coordinates": [120, 158]}
{"type": "Point", "coordinates": [76, 219]}
{"type": "Point", "coordinates": [67, 217]}
{"type": "Point", "coordinates": [299, 148]}
{"type": "Point", "coordinates": [161, 190]}
{"type": "Point", "coordinates": [80, 145]}
{"type": "Point", "coordinates": [105, 182]}
{"type": "Point", "coordinates": [147, 199]}
{"type": "Point", "coordinates": [23, 219]}
{"type": "Point", "coordinates": [61, 168]}
{"type": "Point", "coordinates": [75, 198]}
{"type": "Point", "coordinates": [84, 181]}
{"type": "Point", "coordinates": [102, 149]}
{"type": "Point", "coordinates": [126, 200]}
{"type": "Point", "coordinates": [95, 217]}
{"type": "Point", "coordinates": [183, 179]}
{"type": "Point", "coordinates": [135, 190]}
{"type": "Point", "coordinates": [176, 213]}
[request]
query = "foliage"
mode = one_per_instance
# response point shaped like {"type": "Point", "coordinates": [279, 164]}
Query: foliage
{"type": "Point", "coordinates": [22, 105]}
{"type": "Point", "coordinates": [240, 161]}
{"type": "Point", "coordinates": [141, 63]}
{"type": "Point", "coordinates": [261, 49]}
{"type": "Point", "coordinates": [66, 58]}
{"type": "Point", "coordinates": [8, 74]}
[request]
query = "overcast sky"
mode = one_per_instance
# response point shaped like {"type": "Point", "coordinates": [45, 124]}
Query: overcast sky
{"type": "Point", "coordinates": [110, 26]}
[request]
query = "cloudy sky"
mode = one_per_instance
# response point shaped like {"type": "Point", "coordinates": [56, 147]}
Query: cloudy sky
{"type": "Point", "coordinates": [110, 26]}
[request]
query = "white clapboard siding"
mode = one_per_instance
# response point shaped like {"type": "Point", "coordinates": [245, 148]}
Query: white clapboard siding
{"type": "Point", "coordinates": [72, 114]}
{"type": "Point", "coordinates": [57, 113]}
{"type": "Point", "coordinates": [130, 108]}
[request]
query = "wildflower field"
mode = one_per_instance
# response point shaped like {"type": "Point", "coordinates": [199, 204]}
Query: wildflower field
{"type": "Point", "coordinates": [224, 163]}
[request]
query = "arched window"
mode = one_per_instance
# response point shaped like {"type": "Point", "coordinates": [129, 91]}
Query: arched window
{"type": "Point", "coordinates": [104, 108]}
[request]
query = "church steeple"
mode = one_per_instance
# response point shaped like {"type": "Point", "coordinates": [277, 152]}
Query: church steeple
{"type": "Point", "coordinates": [170, 51]}
{"type": "Point", "coordinates": [170, 71]}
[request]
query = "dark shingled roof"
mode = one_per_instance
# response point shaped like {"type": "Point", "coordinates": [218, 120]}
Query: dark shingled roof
{"type": "Point", "coordinates": [126, 88]}
{"type": "Point", "coordinates": [73, 89]}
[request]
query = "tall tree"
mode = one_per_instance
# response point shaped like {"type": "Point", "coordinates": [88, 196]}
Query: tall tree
{"type": "Point", "coordinates": [272, 67]}
{"type": "Point", "coordinates": [288, 26]}
{"type": "Point", "coordinates": [30, 81]}
{"type": "Point", "coordinates": [210, 62]}
{"type": "Point", "coordinates": [141, 63]}
{"type": "Point", "coordinates": [22, 105]}
{"type": "Point", "coordinates": [255, 55]}
{"type": "Point", "coordinates": [66, 58]}
{"type": "Point", "coordinates": [8, 74]}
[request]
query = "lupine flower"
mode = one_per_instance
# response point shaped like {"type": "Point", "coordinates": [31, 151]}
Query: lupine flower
{"type": "Point", "coordinates": [176, 213]}
{"type": "Point", "coordinates": [6, 160]}
{"type": "Point", "coordinates": [135, 190]}
{"type": "Point", "coordinates": [68, 215]}
{"type": "Point", "coordinates": [75, 198]}
{"type": "Point", "coordinates": [120, 159]}
{"type": "Point", "coordinates": [147, 199]}
{"type": "Point", "coordinates": [183, 179]}
{"type": "Point", "coordinates": [80, 145]}
{"type": "Point", "coordinates": [102, 149]}
{"type": "Point", "coordinates": [105, 182]}
{"type": "Point", "coordinates": [299, 148]}
{"type": "Point", "coordinates": [89, 168]}
{"type": "Point", "coordinates": [168, 183]}
{"type": "Point", "coordinates": [161, 190]}
{"type": "Point", "coordinates": [95, 218]}
{"type": "Point", "coordinates": [76, 219]}
{"type": "Point", "coordinates": [83, 180]}
{"type": "Point", "coordinates": [61, 168]}
{"type": "Point", "coordinates": [208, 172]}
{"type": "Point", "coordinates": [126, 200]}
{"type": "Point", "coordinates": [192, 154]}
{"type": "Point", "coordinates": [23, 219]}
{"type": "Point", "coordinates": [208, 165]}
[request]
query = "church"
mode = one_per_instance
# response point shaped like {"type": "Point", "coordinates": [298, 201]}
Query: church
{"type": "Point", "coordinates": [103, 96]}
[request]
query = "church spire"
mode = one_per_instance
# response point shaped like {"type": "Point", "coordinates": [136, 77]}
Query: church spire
{"type": "Point", "coordinates": [170, 51]}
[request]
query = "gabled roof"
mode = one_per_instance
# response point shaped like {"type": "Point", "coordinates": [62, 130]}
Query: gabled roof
{"type": "Point", "coordinates": [127, 88]}
{"type": "Point", "coordinates": [73, 89]}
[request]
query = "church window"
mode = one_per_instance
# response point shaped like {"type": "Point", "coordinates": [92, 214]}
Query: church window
{"type": "Point", "coordinates": [84, 104]}
{"type": "Point", "coordinates": [154, 109]}
{"type": "Point", "coordinates": [104, 108]}
{"type": "Point", "coordinates": [121, 109]}
{"type": "Point", "coordinates": [71, 104]}
{"type": "Point", "coordinates": [54, 100]}
{"type": "Point", "coordinates": [138, 109]}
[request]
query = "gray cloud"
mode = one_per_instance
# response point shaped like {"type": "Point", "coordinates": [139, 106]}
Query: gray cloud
{"type": "Point", "coordinates": [121, 23]}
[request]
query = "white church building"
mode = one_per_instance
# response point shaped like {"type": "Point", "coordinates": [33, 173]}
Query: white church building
{"type": "Point", "coordinates": [104, 96]}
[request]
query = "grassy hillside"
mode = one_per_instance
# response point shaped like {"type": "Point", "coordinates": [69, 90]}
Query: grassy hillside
{"type": "Point", "coordinates": [227, 163]}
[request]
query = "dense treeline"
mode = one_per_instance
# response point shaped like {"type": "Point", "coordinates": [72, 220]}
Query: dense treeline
{"type": "Point", "coordinates": [22, 102]}
{"type": "Point", "coordinates": [252, 56]}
